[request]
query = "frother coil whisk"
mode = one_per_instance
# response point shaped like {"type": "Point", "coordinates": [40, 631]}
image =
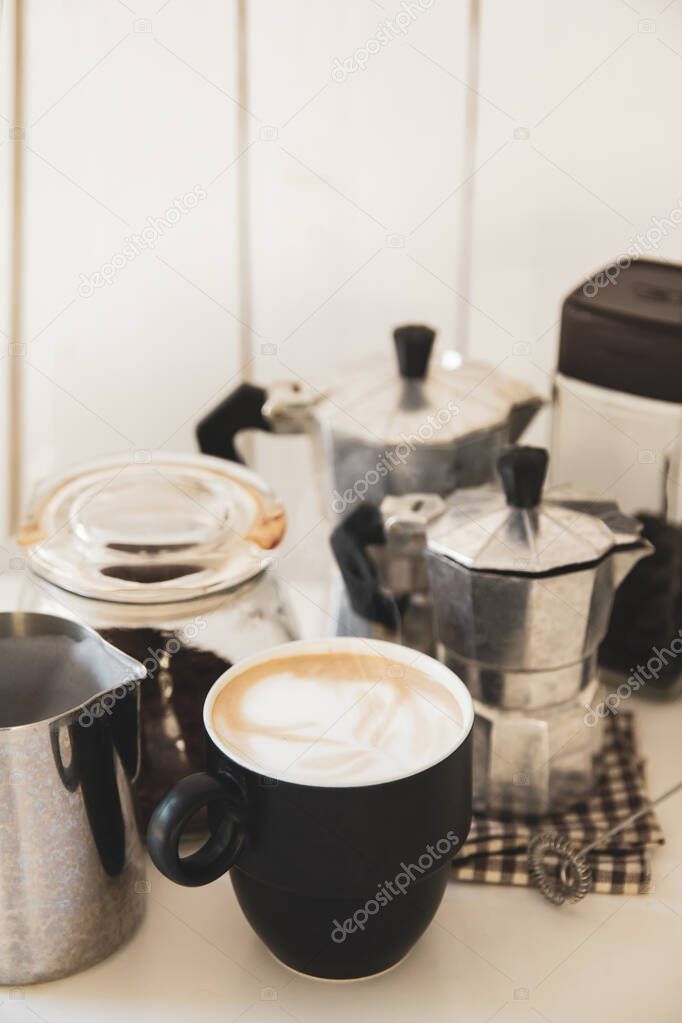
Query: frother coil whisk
{"type": "Point", "coordinates": [574, 877]}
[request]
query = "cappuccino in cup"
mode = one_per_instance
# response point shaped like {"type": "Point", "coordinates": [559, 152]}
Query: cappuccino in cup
{"type": "Point", "coordinates": [343, 718]}
{"type": "Point", "coordinates": [333, 767]}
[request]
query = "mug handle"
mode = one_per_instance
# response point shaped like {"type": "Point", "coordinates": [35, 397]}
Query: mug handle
{"type": "Point", "coordinates": [224, 844]}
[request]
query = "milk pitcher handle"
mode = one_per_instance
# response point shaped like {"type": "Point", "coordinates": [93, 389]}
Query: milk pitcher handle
{"type": "Point", "coordinates": [224, 844]}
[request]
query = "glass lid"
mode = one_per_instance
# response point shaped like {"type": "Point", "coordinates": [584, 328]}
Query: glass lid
{"type": "Point", "coordinates": [172, 528]}
{"type": "Point", "coordinates": [435, 404]}
{"type": "Point", "coordinates": [517, 530]}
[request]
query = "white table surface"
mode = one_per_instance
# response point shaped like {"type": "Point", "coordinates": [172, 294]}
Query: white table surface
{"type": "Point", "coordinates": [491, 953]}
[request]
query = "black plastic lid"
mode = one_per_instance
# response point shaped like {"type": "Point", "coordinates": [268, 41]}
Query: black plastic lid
{"type": "Point", "coordinates": [622, 330]}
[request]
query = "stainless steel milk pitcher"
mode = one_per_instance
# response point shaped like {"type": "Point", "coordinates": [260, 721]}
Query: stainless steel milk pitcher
{"type": "Point", "coordinates": [71, 859]}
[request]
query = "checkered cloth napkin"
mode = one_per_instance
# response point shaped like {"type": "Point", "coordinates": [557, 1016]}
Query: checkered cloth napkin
{"type": "Point", "coordinates": [495, 851]}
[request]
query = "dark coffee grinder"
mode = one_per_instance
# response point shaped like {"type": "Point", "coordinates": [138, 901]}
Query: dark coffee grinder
{"type": "Point", "coordinates": [617, 430]}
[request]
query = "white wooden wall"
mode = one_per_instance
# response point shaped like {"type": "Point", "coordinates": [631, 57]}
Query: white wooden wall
{"type": "Point", "coordinates": [125, 112]}
{"type": "Point", "coordinates": [597, 88]}
{"type": "Point", "coordinates": [345, 196]}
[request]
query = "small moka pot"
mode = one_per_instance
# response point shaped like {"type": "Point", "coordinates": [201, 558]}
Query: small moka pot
{"type": "Point", "coordinates": [522, 588]}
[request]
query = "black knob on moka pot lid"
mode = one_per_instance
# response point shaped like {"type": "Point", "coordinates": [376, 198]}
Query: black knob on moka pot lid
{"type": "Point", "coordinates": [523, 471]}
{"type": "Point", "coordinates": [413, 344]}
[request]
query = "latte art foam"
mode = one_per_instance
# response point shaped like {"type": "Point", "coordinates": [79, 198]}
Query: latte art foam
{"type": "Point", "coordinates": [336, 718]}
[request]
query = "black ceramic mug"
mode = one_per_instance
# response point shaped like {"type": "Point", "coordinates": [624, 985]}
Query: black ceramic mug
{"type": "Point", "coordinates": [339, 881]}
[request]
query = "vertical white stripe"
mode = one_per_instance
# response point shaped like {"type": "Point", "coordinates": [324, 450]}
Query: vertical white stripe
{"type": "Point", "coordinates": [244, 240]}
{"type": "Point", "coordinates": [244, 190]}
{"type": "Point", "coordinates": [15, 468]}
{"type": "Point", "coordinates": [467, 193]}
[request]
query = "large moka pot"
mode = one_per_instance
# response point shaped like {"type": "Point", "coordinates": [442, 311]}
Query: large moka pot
{"type": "Point", "coordinates": [424, 428]}
{"type": "Point", "coordinates": [522, 588]}
{"type": "Point", "coordinates": [72, 865]}
{"type": "Point", "coordinates": [382, 432]}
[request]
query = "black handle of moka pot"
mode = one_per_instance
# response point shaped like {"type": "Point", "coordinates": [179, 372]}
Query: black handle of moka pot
{"type": "Point", "coordinates": [240, 410]}
{"type": "Point", "coordinates": [413, 344]}
{"type": "Point", "coordinates": [523, 470]}
{"type": "Point", "coordinates": [364, 526]}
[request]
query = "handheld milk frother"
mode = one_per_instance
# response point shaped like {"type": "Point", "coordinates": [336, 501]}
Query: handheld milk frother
{"type": "Point", "coordinates": [574, 879]}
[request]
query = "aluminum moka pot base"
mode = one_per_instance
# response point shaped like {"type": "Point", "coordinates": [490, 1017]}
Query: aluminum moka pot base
{"type": "Point", "coordinates": [529, 764]}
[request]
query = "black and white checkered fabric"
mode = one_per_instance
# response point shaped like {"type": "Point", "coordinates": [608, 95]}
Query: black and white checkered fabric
{"type": "Point", "coordinates": [495, 851]}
